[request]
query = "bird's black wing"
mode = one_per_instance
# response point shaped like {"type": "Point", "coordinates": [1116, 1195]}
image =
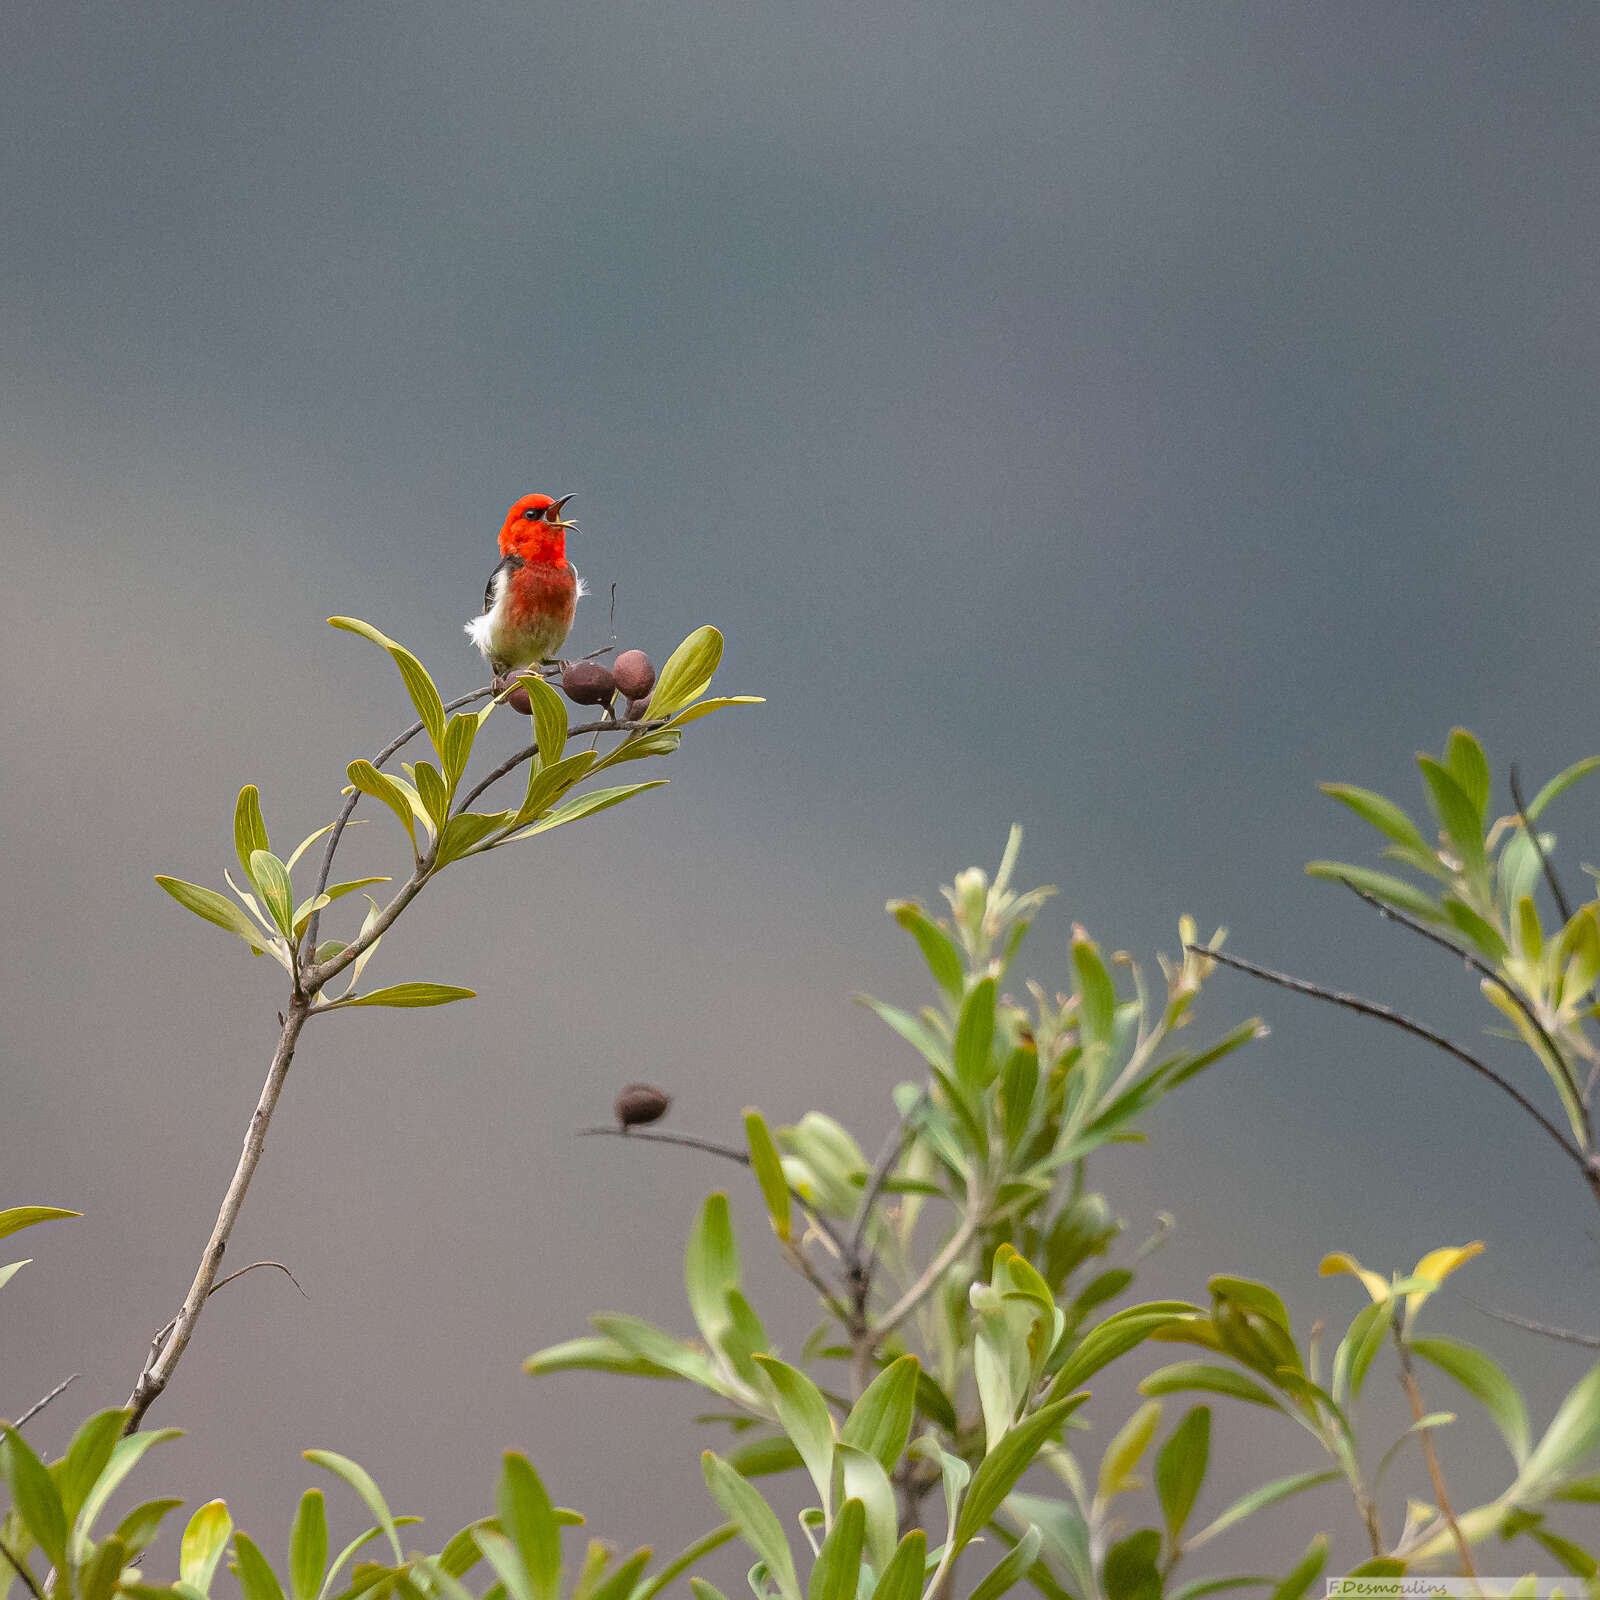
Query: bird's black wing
{"type": "Point", "coordinates": [508, 565]}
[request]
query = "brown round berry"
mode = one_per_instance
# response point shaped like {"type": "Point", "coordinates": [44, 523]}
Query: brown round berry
{"type": "Point", "coordinates": [518, 700]}
{"type": "Point", "coordinates": [634, 673]}
{"type": "Point", "coordinates": [587, 683]}
{"type": "Point", "coordinates": [640, 1103]}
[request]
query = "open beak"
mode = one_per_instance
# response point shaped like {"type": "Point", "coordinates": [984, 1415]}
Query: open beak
{"type": "Point", "coordinates": [554, 513]}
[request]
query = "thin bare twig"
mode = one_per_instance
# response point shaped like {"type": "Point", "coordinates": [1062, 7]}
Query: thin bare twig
{"type": "Point", "coordinates": [1490, 976]}
{"type": "Point", "coordinates": [351, 799]}
{"type": "Point", "coordinates": [1587, 1341]}
{"type": "Point", "coordinates": [1538, 849]}
{"type": "Point", "coordinates": [881, 1168]}
{"type": "Point", "coordinates": [21, 1571]}
{"type": "Point", "coordinates": [1408, 1381]}
{"type": "Point", "coordinates": [935, 1270]}
{"type": "Point", "coordinates": [1370, 1008]}
{"type": "Point", "coordinates": [39, 1405]}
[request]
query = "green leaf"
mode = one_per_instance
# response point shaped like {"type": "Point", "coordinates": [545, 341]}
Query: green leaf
{"type": "Point", "coordinates": [1459, 818]}
{"type": "Point", "coordinates": [464, 832]}
{"type": "Point", "coordinates": [204, 1540]}
{"type": "Point", "coordinates": [938, 948]}
{"type": "Point", "coordinates": [1269, 1494]}
{"type": "Point", "coordinates": [1097, 998]}
{"type": "Point", "coordinates": [257, 1581]}
{"type": "Point", "coordinates": [1381, 886]}
{"type": "Point", "coordinates": [1011, 1568]}
{"type": "Point", "coordinates": [308, 1546]}
{"type": "Point", "coordinates": [880, 1421]}
{"type": "Point", "coordinates": [1131, 1572]}
{"type": "Point", "coordinates": [334, 891]}
{"type": "Point", "coordinates": [139, 1528]}
{"type": "Point", "coordinates": [998, 1473]}
{"type": "Point", "coordinates": [1190, 1375]}
{"type": "Point", "coordinates": [1208, 1586]}
{"type": "Point", "coordinates": [88, 1455]}
{"type": "Point", "coordinates": [1559, 785]}
{"type": "Point", "coordinates": [858, 1476]}
{"type": "Point", "coordinates": [1114, 1337]}
{"type": "Point", "coordinates": [593, 1355]}
{"type": "Point", "coordinates": [1305, 1572]}
{"type": "Point", "coordinates": [104, 1567]}
{"type": "Point", "coordinates": [249, 828]}
{"type": "Point", "coordinates": [974, 1036]}
{"type": "Point", "coordinates": [1573, 1433]}
{"type": "Point", "coordinates": [760, 1458]}
{"type": "Point", "coordinates": [902, 1578]}
{"type": "Point", "coordinates": [271, 877]}
{"type": "Point", "coordinates": [361, 1481]}
{"type": "Point", "coordinates": [214, 908]}
{"type": "Point", "coordinates": [17, 1218]}
{"type": "Point", "coordinates": [1384, 815]}
{"type": "Point", "coordinates": [757, 1522]}
{"type": "Point", "coordinates": [585, 805]}
{"type": "Point", "coordinates": [804, 1416]}
{"type": "Point", "coordinates": [124, 1457]}
{"type": "Point", "coordinates": [424, 696]}
{"type": "Point", "coordinates": [1479, 931]}
{"type": "Point", "coordinates": [459, 734]}
{"type": "Point", "coordinates": [649, 1342]}
{"type": "Point", "coordinates": [306, 843]}
{"type": "Point", "coordinates": [702, 1589]}
{"type": "Point", "coordinates": [34, 1495]}
{"type": "Point", "coordinates": [620, 1585]}
{"type": "Point", "coordinates": [1487, 1383]}
{"type": "Point", "coordinates": [528, 1521]}
{"type": "Point", "coordinates": [688, 672]}
{"type": "Point", "coordinates": [711, 1267]}
{"type": "Point", "coordinates": [549, 713]}
{"type": "Point", "coordinates": [768, 1168]}
{"type": "Point", "coordinates": [407, 995]}
{"type": "Point", "coordinates": [435, 795]}
{"type": "Point", "coordinates": [1181, 1469]}
{"type": "Point", "coordinates": [838, 1566]}
{"type": "Point", "coordinates": [705, 707]}
{"type": "Point", "coordinates": [381, 786]}
{"type": "Point", "coordinates": [680, 1564]}
{"type": "Point", "coordinates": [1123, 1454]}
{"type": "Point", "coordinates": [1470, 767]}
{"type": "Point", "coordinates": [546, 784]}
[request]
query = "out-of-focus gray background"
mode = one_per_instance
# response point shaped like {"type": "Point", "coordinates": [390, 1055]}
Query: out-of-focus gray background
{"type": "Point", "coordinates": [1112, 418]}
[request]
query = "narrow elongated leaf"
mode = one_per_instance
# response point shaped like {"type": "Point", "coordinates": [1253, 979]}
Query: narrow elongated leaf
{"type": "Point", "coordinates": [902, 1578]}
{"type": "Point", "coordinates": [1181, 1469]}
{"type": "Point", "coordinates": [1384, 815]}
{"type": "Point", "coordinates": [1470, 767]}
{"type": "Point", "coordinates": [880, 1421]}
{"type": "Point", "coordinates": [87, 1457]}
{"type": "Point", "coordinates": [1458, 816]}
{"type": "Point", "coordinates": [1127, 1447]}
{"type": "Point", "coordinates": [838, 1566]}
{"type": "Point", "coordinates": [1573, 1433]}
{"type": "Point", "coordinates": [99, 1578]}
{"type": "Point", "coordinates": [361, 1481]}
{"type": "Point", "coordinates": [938, 948]}
{"type": "Point", "coordinates": [1559, 785]}
{"type": "Point", "coordinates": [141, 1525]}
{"type": "Point", "coordinates": [1190, 1375]}
{"type": "Point", "coordinates": [1012, 1568]}
{"type": "Point", "coordinates": [7, 1273]}
{"type": "Point", "coordinates": [704, 708]}
{"type": "Point", "coordinates": [621, 1584]}
{"type": "Point", "coordinates": [271, 878]}
{"type": "Point", "coordinates": [687, 673]}
{"type": "Point", "coordinates": [309, 840]}
{"type": "Point", "coordinates": [650, 1343]}
{"type": "Point", "coordinates": [204, 1540]}
{"type": "Point", "coordinates": [858, 1476]}
{"type": "Point", "coordinates": [16, 1218]}
{"type": "Point", "coordinates": [215, 908]}
{"type": "Point", "coordinates": [1131, 1572]}
{"type": "Point", "coordinates": [257, 1580]}
{"type": "Point", "coordinates": [528, 1521]}
{"type": "Point", "coordinates": [975, 1035]}
{"type": "Point", "coordinates": [594, 1355]}
{"type": "Point", "coordinates": [760, 1458]}
{"type": "Point", "coordinates": [424, 696]}
{"type": "Point", "coordinates": [804, 1415]}
{"type": "Point", "coordinates": [334, 891]}
{"type": "Point", "coordinates": [1305, 1572]}
{"type": "Point", "coordinates": [768, 1168]}
{"type": "Point", "coordinates": [549, 712]}
{"type": "Point", "coordinates": [308, 1546]}
{"type": "Point", "coordinates": [698, 1551]}
{"type": "Point", "coordinates": [757, 1522]}
{"type": "Point", "coordinates": [1381, 886]}
{"type": "Point", "coordinates": [249, 829]}
{"type": "Point", "coordinates": [381, 786]}
{"type": "Point", "coordinates": [1487, 1383]}
{"type": "Point", "coordinates": [434, 792]}
{"type": "Point", "coordinates": [1097, 998]}
{"type": "Point", "coordinates": [711, 1267]}
{"type": "Point", "coordinates": [585, 805]}
{"type": "Point", "coordinates": [409, 995]}
{"type": "Point", "coordinates": [459, 734]}
{"type": "Point", "coordinates": [34, 1495]}
{"type": "Point", "coordinates": [997, 1474]}
{"type": "Point", "coordinates": [124, 1458]}
{"type": "Point", "coordinates": [1268, 1494]}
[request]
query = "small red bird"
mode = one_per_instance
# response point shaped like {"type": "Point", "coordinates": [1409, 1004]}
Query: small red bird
{"type": "Point", "coordinates": [528, 606]}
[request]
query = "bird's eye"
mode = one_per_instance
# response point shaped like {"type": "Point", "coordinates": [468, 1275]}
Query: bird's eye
{"type": "Point", "coordinates": [531, 514]}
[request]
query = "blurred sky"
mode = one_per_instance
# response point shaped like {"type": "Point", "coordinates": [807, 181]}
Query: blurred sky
{"type": "Point", "coordinates": [1109, 418]}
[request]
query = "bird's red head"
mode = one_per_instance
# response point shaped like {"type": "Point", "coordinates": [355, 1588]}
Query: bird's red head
{"type": "Point", "coordinates": [535, 530]}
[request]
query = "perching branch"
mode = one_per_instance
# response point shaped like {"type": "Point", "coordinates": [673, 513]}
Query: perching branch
{"type": "Point", "coordinates": [1370, 1008]}
{"type": "Point", "coordinates": [1408, 1381]}
{"type": "Point", "coordinates": [511, 763]}
{"type": "Point", "coordinates": [1587, 1341]}
{"type": "Point", "coordinates": [1489, 975]}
